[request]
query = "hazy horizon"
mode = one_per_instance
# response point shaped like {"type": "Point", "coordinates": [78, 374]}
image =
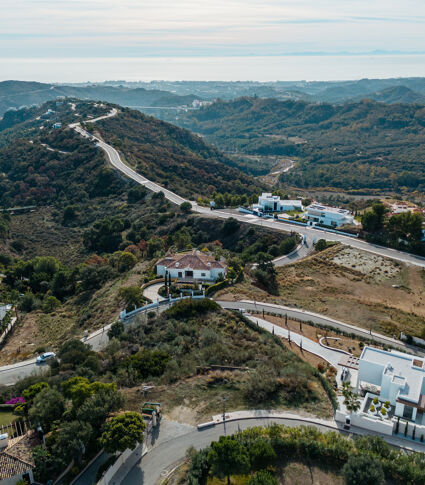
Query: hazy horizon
{"type": "Point", "coordinates": [226, 68]}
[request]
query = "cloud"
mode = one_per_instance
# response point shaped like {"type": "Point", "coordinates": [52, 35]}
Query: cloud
{"type": "Point", "coordinates": [220, 27]}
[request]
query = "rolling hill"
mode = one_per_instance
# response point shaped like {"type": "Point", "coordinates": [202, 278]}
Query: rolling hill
{"type": "Point", "coordinates": [363, 145]}
{"type": "Point", "coordinates": [14, 94]}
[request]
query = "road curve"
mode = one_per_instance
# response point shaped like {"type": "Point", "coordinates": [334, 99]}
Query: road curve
{"type": "Point", "coordinates": [310, 232]}
{"type": "Point", "coordinates": [148, 470]}
{"type": "Point", "coordinates": [307, 316]}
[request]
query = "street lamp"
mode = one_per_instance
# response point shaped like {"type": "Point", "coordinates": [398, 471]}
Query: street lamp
{"type": "Point", "coordinates": [223, 400]}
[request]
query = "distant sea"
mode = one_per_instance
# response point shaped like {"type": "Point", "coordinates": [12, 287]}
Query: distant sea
{"type": "Point", "coordinates": [255, 68]}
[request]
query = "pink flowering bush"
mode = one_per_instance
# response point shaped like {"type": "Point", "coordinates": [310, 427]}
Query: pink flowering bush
{"type": "Point", "coordinates": [16, 400]}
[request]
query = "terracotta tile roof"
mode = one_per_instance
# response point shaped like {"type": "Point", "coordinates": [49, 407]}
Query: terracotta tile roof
{"type": "Point", "coordinates": [195, 260]}
{"type": "Point", "coordinates": [17, 457]}
{"type": "Point", "coordinates": [11, 466]}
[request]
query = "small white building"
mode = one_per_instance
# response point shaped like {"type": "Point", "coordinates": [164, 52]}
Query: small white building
{"type": "Point", "coordinates": [329, 216]}
{"type": "Point", "coordinates": [273, 203]}
{"type": "Point", "coordinates": [56, 126]}
{"type": "Point", "coordinates": [396, 377]}
{"type": "Point", "coordinates": [194, 266]}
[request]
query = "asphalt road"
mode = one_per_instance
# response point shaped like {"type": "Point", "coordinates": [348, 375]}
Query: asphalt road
{"type": "Point", "coordinates": [162, 457]}
{"type": "Point", "coordinates": [9, 374]}
{"type": "Point", "coordinates": [306, 316]}
{"type": "Point", "coordinates": [311, 233]}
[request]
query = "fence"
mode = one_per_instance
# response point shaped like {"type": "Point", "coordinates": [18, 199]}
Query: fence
{"type": "Point", "coordinates": [10, 325]}
{"type": "Point", "coordinates": [124, 315]}
{"type": "Point", "coordinates": [17, 428]}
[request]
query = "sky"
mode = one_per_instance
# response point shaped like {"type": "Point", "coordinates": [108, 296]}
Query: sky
{"type": "Point", "coordinates": [144, 28]}
{"type": "Point", "coordinates": [96, 40]}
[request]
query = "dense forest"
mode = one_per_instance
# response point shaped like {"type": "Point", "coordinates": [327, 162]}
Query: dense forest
{"type": "Point", "coordinates": [356, 146]}
{"type": "Point", "coordinates": [175, 158]}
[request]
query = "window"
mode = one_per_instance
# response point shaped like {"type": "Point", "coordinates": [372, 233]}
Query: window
{"type": "Point", "coordinates": [407, 412]}
{"type": "Point", "coordinates": [180, 274]}
{"type": "Point", "coordinates": [203, 274]}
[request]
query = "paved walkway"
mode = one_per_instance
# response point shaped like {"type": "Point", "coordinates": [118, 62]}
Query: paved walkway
{"type": "Point", "coordinates": [151, 292]}
{"type": "Point", "coordinates": [331, 356]}
{"type": "Point", "coordinates": [307, 316]}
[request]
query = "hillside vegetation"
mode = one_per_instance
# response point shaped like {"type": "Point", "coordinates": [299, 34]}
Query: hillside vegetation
{"type": "Point", "coordinates": [175, 158]}
{"type": "Point", "coordinates": [361, 146]}
{"type": "Point", "coordinates": [14, 94]}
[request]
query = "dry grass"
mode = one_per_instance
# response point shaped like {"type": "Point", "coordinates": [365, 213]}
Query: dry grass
{"type": "Point", "coordinates": [314, 333]}
{"type": "Point", "coordinates": [298, 473]}
{"type": "Point", "coordinates": [43, 236]}
{"type": "Point", "coordinates": [362, 295]}
{"type": "Point", "coordinates": [196, 399]}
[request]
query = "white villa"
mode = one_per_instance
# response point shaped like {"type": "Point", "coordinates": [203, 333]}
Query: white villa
{"type": "Point", "coordinates": [396, 377]}
{"type": "Point", "coordinates": [194, 266]}
{"type": "Point", "coordinates": [329, 216]}
{"type": "Point", "coordinates": [273, 203]}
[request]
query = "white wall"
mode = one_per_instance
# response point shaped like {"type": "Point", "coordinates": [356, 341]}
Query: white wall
{"type": "Point", "coordinates": [370, 372]}
{"type": "Point", "coordinates": [362, 421]}
{"type": "Point", "coordinates": [198, 274]}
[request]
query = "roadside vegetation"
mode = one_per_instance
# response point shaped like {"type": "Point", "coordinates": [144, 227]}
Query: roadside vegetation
{"type": "Point", "coordinates": [192, 354]}
{"type": "Point", "coordinates": [76, 409]}
{"type": "Point", "coordinates": [173, 157]}
{"type": "Point", "coordinates": [202, 353]}
{"type": "Point", "coordinates": [265, 455]}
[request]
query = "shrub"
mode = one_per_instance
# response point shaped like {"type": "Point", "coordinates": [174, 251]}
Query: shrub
{"type": "Point", "coordinates": [189, 308]}
{"type": "Point", "coordinates": [363, 470]}
{"type": "Point", "coordinates": [375, 400]}
{"type": "Point", "coordinates": [185, 207]}
{"type": "Point", "coordinates": [320, 245]}
{"type": "Point", "coordinates": [263, 478]}
{"type": "Point", "coordinates": [150, 362]}
{"type": "Point", "coordinates": [372, 409]}
{"type": "Point", "coordinates": [117, 329]}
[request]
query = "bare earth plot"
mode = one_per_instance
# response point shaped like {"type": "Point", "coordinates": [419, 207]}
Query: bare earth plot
{"type": "Point", "coordinates": [195, 399]}
{"type": "Point", "coordinates": [350, 285]}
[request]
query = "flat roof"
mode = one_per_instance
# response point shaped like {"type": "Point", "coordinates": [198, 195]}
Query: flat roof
{"type": "Point", "coordinates": [326, 208]}
{"type": "Point", "coordinates": [403, 368]}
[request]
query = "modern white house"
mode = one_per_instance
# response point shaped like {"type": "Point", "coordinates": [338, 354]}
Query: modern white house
{"type": "Point", "coordinates": [273, 203]}
{"type": "Point", "coordinates": [194, 266]}
{"type": "Point", "coordinates": [395, 377]}
{"type": "Point", "coordinates": [329, 216]}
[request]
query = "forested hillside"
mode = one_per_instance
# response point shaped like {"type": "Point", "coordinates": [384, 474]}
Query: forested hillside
{"type": "Point", "coordinates": [175, 158]}
{"type": "Point", "coordinates": [14, 94]}
{"type": "Point", "coordinates": [362, 145]}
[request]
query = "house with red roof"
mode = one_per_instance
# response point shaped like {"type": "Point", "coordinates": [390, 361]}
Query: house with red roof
{"type": "Point", "coordinates": [193, 266]}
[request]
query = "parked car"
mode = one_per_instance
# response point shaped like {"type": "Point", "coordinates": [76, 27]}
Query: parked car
{"type": "Point", "coordinates": [41, 359]}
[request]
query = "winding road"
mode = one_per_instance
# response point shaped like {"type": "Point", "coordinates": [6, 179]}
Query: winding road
{"type": "Point", "coordinates": [310, 232]}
